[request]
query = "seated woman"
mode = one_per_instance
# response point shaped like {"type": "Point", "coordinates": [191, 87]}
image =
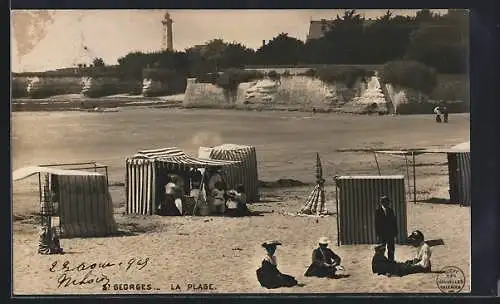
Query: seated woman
{"type": "Point", "coordinates": [172, 203]}
{"type": "Point", "coordinates": [325, 262]}
{"type": "Point", "coordinates": [422, 260]}
{"type": "Point", "coordinates": [382, 265]}
{"type": "Point", "coordinates": [49, 242]}
{"type": "Point", "coordinates": [218, 199]}
{"type": "Point", "coordinates": [268, 274]}
{"type": "Point", "coordinates": [236, 202]}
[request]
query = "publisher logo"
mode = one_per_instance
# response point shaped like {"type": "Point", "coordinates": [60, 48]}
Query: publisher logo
{"type": "Point", "coordinates": [451, 280]}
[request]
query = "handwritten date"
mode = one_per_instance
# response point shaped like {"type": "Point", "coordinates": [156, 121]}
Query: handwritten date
{"type": "Point", "coordinates": [83, 266]}
{"type": "Point", "coordinates": [86, 273]}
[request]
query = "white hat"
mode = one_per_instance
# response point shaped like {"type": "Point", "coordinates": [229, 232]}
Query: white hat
{"type": "Point", "coordinates": [323, 240]}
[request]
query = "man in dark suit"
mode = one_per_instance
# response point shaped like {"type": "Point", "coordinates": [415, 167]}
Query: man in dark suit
{"type": "Point", "coordinates": [386, 226]}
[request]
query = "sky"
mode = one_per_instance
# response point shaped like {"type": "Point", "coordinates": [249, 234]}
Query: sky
{"type": "Point", "coordinates": [56, 39]}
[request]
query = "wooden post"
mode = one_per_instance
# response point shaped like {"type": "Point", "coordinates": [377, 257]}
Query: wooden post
{"type": "Point", "coordinates": [337, 211]}
{"type": "Point", "coordinates": [414, 180]}
{"type": "Point", "coordinates": [376, 161]}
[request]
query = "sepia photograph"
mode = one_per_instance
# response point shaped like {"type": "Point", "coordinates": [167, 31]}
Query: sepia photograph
{"type": "Point", "coordinates": [239, 151]}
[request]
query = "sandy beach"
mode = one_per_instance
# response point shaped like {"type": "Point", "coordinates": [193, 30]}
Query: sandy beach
{"type": "Point", "coordinates": [221, 254]}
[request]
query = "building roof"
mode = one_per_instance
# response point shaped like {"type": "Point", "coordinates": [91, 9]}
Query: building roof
{"type": "Point", "coordinates": [317, 28]}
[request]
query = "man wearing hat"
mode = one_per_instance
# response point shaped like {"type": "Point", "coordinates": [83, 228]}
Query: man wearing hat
{"type": "Point", "coordinates": [386, 226]}
{"type": "Point", "coordinates": [324, 261]}
{"type": "Point", "coordinates": [422, 260]}
{"type": "Point", "coordinates": [268, 274]}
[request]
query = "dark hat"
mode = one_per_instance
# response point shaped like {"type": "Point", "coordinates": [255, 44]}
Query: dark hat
{"type": "Point", "coordinates": [383, 198]}
{"type": "Point", "coordinates": [416, 235]}
{"type": "Point", "coordinates": [273, 243]}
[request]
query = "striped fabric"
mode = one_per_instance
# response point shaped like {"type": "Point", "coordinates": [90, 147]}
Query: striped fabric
{"type": "Point", "coordinates": [142, 186]}
{"type": "Point", "coordinates": [315, 203]}
{"type": "Point", "coordinates": [176, 156]}
{"type": "Point", "coordinates": [85, 206]}
{"type": "Point", "coordinates": [357, 199]}
{"type": "Point", "coordinates": [319, 167]}
{"type": "Point", "coordinates": [460, 178]}
{"type": "Point", "coordinates": [246, 174]}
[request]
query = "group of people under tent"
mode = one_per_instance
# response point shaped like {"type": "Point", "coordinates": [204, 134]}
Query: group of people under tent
{"type": "Point", "coordinates": [327, 264]}
{"type": "Point", "coordinates": [441, 110]}
{"type": "Point", "coordinates": [207, 189]}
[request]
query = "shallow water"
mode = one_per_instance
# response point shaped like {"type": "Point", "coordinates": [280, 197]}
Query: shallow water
{"type": "Point", "coordinates": [286, 142]}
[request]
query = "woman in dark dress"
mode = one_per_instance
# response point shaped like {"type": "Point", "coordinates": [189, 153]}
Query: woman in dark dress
{"type": "Point", "coordinates": [268, 274]}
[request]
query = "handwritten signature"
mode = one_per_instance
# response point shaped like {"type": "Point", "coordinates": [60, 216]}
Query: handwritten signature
{"type": "Point", "coordinates": [71, 274]}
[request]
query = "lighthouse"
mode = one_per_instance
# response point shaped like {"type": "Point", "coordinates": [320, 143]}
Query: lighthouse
{"type": "Point", "coordinates": [167, 41]}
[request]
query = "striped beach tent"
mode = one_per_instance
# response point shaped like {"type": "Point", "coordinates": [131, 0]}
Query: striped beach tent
{"type": "Point", "coordinates": [246, 174]}
{"type": "Point", "coordinates": [357, 199]}
{"type": "Point", "coordinates": [76, 203]}
{"type": "Point", "coordinates": [144, 170]}
{"type": "Point", "coordinates": [316, 202]}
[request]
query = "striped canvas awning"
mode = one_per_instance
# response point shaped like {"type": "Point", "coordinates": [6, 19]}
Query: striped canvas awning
{"type": "Point", "coordinates": [175, 155]}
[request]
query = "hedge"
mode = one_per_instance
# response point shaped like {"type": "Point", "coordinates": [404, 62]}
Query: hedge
{"type": "Point", "coordinates": [409, 74]}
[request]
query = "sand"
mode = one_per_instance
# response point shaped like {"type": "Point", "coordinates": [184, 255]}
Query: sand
{"type": "Point", "coordinates": [225, 252]}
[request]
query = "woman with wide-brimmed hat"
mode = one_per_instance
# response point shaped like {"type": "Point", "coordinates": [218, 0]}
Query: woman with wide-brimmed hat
{"type": "Point", "coordinates": [268, 274]}
{"type": "Point", "coordinates": [325, 262]}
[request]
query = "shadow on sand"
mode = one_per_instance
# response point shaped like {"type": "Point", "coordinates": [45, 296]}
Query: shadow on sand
{"type": "Point", "coordinates": [437, 200]}
{"type": "Point", "coordinates": [435, 242]}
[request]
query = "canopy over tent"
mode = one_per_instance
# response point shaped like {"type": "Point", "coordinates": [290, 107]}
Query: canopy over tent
{"type": "Point", "coordinates": [175, 155]}
{"type": "Point", "coordinates": [29, 171]}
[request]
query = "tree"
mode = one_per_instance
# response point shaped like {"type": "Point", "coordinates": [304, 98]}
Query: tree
{"type": "Point", "coordinates": [282, 49]}
{"type": "Point", "coordinates": [98, 62]}
{"type": "Point", "coordinates": [442, 44]}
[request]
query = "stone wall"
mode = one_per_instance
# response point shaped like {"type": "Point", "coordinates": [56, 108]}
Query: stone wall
{"type": "Point", "coordinates": [204, 95]}
{"type": "Point", "coordinates": [19, 87]}
{"type": "Point", "coordinates": [294, 92]}
{"type": "Point", "coordinates": [105, 86]}
{"type": "Point", "coordinates": [172, 86]}
{"type": "Point", "coordinates": [41, 87]}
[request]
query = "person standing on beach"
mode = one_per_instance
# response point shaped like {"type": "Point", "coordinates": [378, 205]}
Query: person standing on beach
{"type": "Point", "coordinates": [444, 109]}
{"type": "Point", "coordinates": [437, 111]}
{"type": "Point", "coordinates": [386, 226]}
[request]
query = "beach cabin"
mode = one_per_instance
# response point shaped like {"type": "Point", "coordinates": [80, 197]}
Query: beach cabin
{"type": "Point", "coordinates": [147, 174]}
{"type": "Point", "coordinates": [246, 174]}
{"type": "Point", "coordinates": [357, 198]}
{"type": "Point", "coordinates": [76, 203]}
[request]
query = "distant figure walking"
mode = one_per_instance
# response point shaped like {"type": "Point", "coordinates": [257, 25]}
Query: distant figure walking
{"type": "Point", "coordinates": [268, 274]}
{"type": "Point", "coordinates": [437, 111]}
{"type": "Point", "coordinates": [444, 110]}
{"type": "Point", "coordinates": [386, 226]}
{"type": "Point", "coordinates": [324, 261]}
